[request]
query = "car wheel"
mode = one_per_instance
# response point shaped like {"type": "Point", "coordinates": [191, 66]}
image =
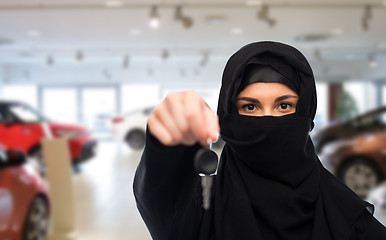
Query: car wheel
{"type": "Point", "coordinates": [36, 223]}
{"type": "Point", "coordinates": [360, 175]}
{"type": "Point", "coordinates": [136, 139]}
{"type": "Point", "coordinates": [36, 157]}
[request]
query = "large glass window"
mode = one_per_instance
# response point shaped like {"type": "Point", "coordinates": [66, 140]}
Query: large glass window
{"type": "Point", "coordinates": [22, 93]}
{"type": "Point", "coordinates": [360, 92]}
{"type": "Point", "coordinates": [321, 117]}
{"type": "Point", "coordinates": [137, 96]}
{"type": "Point", "coordinates": [99, 106]}
{"type": "Point", "coordinates": [60, 104]}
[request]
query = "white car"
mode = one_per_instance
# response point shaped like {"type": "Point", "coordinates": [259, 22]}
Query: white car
{"type": "Point", "coordinates": [377, 196]}
{"type": "Point", "coordinates": [131, 127]}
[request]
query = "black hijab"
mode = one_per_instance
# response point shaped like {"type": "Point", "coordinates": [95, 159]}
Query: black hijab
{"type": "Point", "coordinates": [270, 183]}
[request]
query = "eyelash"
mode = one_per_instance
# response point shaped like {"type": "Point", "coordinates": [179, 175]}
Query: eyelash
{"type": "Point", "coordinates": [245, 106]}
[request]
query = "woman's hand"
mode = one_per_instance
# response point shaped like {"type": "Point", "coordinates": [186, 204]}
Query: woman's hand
{"type": "Point", "coordinates": [183, 118]}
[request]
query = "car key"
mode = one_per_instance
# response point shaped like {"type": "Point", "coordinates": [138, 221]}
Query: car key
{"type": "Point", "coordinates": [205, 163]}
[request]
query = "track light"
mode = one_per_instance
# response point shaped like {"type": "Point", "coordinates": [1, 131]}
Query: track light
{"type": "Point", "coordinates": [263, 15]}
{"type": "Point", "coordinates": [187, 22]}
{"type": "Point", "coordinates": [178, 13]}
{"type": "Point", "coordinates": [106, 73]}
{"type": "Point", "coordinates": [317, 55]}
{"type": "Point", "coordinates": [165, 54]}
{"type": "Point", "coordinates": [154, 21]}
{"type": "Point", "coordinates": [79, 56]}
{"type": "Point", "coordinates": [126, 61]}
{"type": "Point", "coordinates": [372, 61]}
{"type": "Point", "coordinates": [49, 61]}
{"type": "Point", "coordinates": [367, 15]}
{"type": "Point", "coordinates": [26, 74]}
{"type": "Point", "coordinates": [205, 59]}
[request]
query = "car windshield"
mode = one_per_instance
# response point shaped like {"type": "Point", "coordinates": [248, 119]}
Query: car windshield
{"type": "Point", "coordinates": [2, 119]}
{"type": "Point", "coordinates": [26, 113]}
{"type": "Point", "coordinates": [375, 119]}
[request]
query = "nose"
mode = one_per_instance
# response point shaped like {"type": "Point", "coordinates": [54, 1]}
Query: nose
{"type": "Point", "coordinates": [267, 112]}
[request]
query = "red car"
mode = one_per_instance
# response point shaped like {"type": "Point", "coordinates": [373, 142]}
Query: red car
{"type": "Point", "coordinates": [21, 127]}
{"type": "Point", "coordinates": [24, 199]}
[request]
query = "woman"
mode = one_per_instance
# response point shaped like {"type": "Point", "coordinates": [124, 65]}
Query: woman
{"type": "Point", "coordinates": [270, 183]}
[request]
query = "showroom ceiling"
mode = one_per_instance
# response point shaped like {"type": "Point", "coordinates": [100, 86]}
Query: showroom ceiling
{"type": "Point", "coordinates": [62, 31]}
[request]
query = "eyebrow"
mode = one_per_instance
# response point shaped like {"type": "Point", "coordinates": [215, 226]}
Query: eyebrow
{"type": "Point", "coordinates": [254, 100]}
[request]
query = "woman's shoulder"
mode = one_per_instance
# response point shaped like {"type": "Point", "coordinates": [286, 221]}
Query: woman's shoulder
{"type": "Point", "coordinates": [367, 227]}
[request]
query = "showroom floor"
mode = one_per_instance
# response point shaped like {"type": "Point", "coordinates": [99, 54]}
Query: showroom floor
{"type": "Point", "coordinates": [105, 206]}
{"type": "Point", "coordinates": [104, 201]}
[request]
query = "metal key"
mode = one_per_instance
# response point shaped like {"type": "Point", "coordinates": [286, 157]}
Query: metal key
{"type": "Point", "coordinates": [205, 163]}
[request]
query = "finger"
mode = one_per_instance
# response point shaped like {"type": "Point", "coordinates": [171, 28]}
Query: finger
{"type": "Point", "coordinates": [159, 131]}
{"type": "Point", "coordinates": [167, 120]}
{"type": "Point", "coordinates": [194, 114]}
{"type": "Point", "coordinates": [211, 123]}
{"type": "Point", "coordinates": [176, 110]}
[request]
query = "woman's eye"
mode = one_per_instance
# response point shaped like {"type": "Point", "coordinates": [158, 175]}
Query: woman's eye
{"type": "Point", "coordinates": [285, 106]}
{"type": "Point", "coordinates": [249, 107]}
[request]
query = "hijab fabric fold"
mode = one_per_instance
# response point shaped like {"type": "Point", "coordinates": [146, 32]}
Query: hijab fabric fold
{"type": "Point", "coordinates": [271, 184]}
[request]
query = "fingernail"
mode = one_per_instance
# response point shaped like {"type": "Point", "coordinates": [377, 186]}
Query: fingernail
{"type": "Point", "coordinates": [217, 136]}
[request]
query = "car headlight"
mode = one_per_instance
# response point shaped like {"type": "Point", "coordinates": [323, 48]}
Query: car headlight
{"type": "Point", "coordinates": [68, 134]}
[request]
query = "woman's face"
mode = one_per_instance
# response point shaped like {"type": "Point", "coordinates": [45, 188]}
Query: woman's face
{"type": "Point", "coordinates": [266, 99]}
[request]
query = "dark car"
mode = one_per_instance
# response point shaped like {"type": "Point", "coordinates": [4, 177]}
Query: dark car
{"type": "Point", "coordinates": [359, 162]}
{"type": "Point", "coordinates": [369, 122]}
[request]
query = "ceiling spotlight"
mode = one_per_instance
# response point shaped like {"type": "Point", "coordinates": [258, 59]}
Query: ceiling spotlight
{"type": "Point", "coordinates": [372, 62]}
{"type": "Point", "coordinates": [49, 61]}
{"type": "Point", "coordinates": [263, 15]}
{"type": "Point", "coordinates": [367, 15]}
{"type": "Point", "coordinates": [79, 56]}
{"type": "Point", "coordinates": [165, 54]}
{"type": "Point", "coordinates": [317, 55]}
{"type": "Point", "coordinates": [135, 32]}
{"type": "Point", "coordinates": [33, 33]}
{"type": "Point", "coordinates": [178, 13]}
{"type": "Point", "coordinates": [253, 3]}
{"type": "Point", "coordinates": [126, 61]}
{"type": "Point", "coordinates": [187, 22]}
{"type": "Point", "coordinates": [26, 74]}
{"type": "Point", "coordinates": [237, 31]}
{"type": "Point", "coordinates": [154, 21]}
{"type": "Point", "coordinates": [106, 73]}
{"type": "Point", "coordinates": [205, 59]}
{"type": "Point", "coordinates": [113, 3]}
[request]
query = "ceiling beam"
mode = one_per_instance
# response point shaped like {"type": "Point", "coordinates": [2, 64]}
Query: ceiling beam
{"type": "Point", "coordinates": [319, 5]}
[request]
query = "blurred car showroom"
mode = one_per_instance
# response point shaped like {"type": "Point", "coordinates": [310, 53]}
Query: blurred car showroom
{"type": "Point", "coordinates": [79, 78]}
